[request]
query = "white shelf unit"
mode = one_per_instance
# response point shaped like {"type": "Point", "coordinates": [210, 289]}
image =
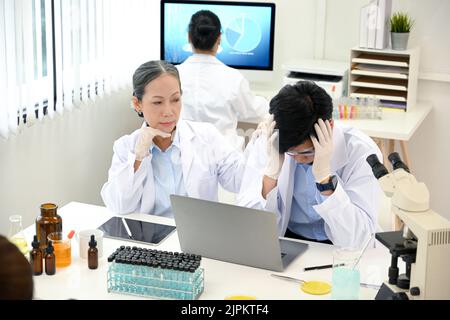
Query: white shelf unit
{"type": "Point", "coordinates": [389, 75]}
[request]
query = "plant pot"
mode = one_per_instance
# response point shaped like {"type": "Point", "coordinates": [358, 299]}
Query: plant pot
{"type": "Point", "coordinates": [399, 40]}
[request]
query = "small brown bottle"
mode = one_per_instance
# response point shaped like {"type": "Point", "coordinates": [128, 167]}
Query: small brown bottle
{"type": "Point", "coordinates": [36, 257]}
{"type": "Point", "coordinates": [92, 253]}
{"type": "Point", "coordinates": [49, 221]}
{"type": "Point", "coordinates": [50, 262]}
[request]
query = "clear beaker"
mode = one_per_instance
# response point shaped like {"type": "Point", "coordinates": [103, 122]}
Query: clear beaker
{"type": "Point", "coordinates": [346, 278]}
{"type": "Point", "coordinates": [63, 249]}
{"type": "Point", "coordinates": [16, 234]}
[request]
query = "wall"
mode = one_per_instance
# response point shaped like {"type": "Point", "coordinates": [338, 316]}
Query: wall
{"type": "Point", "coordinates": [62, 159]}
{"type": "Point", "coordinates": [294, 35]}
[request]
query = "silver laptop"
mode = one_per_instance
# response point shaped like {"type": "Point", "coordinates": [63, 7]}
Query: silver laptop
{"type": "Point", "coordinates": [232, 233]}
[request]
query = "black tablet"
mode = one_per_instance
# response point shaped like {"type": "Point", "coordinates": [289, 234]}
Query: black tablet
{"type": "Point", "coordinates": [136, 230]}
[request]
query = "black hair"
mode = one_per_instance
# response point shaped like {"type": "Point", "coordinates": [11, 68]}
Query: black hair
{"type": "Point", "coordinates": [204, 29]}
{"type": "Point", "coordinates": [149, 71]}
{"type": "Point", "coordinates": [296, 108]}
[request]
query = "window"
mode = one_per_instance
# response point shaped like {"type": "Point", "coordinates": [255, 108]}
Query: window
{"type": "Point", "coordinates": [26, 62]}
{"type": "Point", "coordinates": [98, 45]}
{"type": "Point", "coordinates": [58, 54]}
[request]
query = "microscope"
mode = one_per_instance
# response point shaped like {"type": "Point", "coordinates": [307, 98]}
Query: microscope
{"type": "Point", "coordinates": [423, 243]}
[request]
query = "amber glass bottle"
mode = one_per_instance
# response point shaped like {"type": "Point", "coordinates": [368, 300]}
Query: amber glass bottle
{"type": "Point", "coordinates": [36, 257]}
{"type": "Point", "coordinates": [49, 221]}
{"type": "Point", "coordinates": [92, 254]}
{"type": "Point", "coordinates": [50, 261]}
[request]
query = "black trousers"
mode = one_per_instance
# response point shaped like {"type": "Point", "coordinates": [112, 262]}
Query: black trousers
{"type": "Point", "coordinates": [290, 234]}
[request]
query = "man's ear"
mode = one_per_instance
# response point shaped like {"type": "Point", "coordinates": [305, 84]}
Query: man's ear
{"type": "Point", "coordinates": [331, 123]}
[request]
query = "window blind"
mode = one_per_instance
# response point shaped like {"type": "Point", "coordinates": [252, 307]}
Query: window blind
{"type": "Point", "coordinates": [97, 46]}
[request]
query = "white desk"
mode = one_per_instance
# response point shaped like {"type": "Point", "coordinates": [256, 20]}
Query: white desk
{"type": "Point", "coordinates": [221, 279]}
{"type": "Point", "coordinates": [395, 126]}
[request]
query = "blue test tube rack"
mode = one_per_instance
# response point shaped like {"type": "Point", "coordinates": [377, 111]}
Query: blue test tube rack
{"type": "Point", "coordinates": [155, 273]}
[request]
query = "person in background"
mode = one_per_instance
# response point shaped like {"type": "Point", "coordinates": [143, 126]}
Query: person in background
{"type": "Point", "coordinates": [212, 91]}
{"type": "Point", "coordinates": [168, 155]}
{"type": "Point", "coordinates": [313, 172]}
{"type": "Point", "coordinates": [16, 278]}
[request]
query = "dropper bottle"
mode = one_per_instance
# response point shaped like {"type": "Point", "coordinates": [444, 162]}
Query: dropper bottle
{"type": "Point", "coordinates": [36, 257]}
{"type": "Point", "coordinates": [50, 262]}
{"type": "Point", "coordinates": [93, 254]}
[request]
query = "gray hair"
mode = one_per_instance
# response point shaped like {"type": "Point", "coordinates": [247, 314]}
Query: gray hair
{"type": "Point", "coordinates": [148, 72]}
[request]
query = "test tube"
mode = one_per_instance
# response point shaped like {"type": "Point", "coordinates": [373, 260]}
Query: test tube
{"type": "Point", "coordinates": [379, 109]}
{"type": "Point", "coordinates": [364, 108]}
{"type": "Point", "coordinates": [345, 108]}
{"type": "Point", "coordinates": [371, 107]}
{"type": "Point", "coordinates": [357, 107]}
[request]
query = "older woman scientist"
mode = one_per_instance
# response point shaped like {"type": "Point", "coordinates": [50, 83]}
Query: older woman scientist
{"type": "Point", "coordinates": [167, 155]}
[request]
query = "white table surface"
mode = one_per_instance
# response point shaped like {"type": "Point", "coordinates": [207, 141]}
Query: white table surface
{"type": "Point", "coordinates": [396, 125]}
{"type": "Point", "coordinates": [221, 278]}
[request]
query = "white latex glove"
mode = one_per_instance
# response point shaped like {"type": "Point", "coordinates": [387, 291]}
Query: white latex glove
{"type": "Point", "coordinates": [275, 159]}
{"type": "Point", "coordinates": [262, 127]}
{"type": "Point", "coordinates": [145, 141]}
{"type": "Point", "coordinates": [323, 147]}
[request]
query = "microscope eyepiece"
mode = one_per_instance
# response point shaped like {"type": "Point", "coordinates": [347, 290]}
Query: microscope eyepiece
{"type": "Point", "coordinates": [378, 169]}
{"type": "Point", "coordinates": [396, 162]}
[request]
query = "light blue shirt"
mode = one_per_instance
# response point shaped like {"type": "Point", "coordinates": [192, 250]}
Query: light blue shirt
{"type": "Point", "coordinates": [304, 219]}
{"type": "Point", "coordinates": [168, 176]}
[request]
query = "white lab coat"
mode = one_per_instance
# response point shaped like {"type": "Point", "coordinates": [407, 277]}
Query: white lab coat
{"type": "Point", "coordinates": [350, 213]}
{"type": "Point", "coordinates": [206, 160]}
{"type": "Point", "coordinates": [218, 94]}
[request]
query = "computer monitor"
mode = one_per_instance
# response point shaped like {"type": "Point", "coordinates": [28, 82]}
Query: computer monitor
{"type": "Point", "coordinates": [247, 32]}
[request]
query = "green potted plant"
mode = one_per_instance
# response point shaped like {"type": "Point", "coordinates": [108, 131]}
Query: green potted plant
{"type": "Point", "coordinates": [401, 25]}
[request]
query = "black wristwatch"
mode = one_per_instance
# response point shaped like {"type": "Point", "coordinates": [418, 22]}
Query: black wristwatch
{"type": "Point", "coordinates": [330, 185]}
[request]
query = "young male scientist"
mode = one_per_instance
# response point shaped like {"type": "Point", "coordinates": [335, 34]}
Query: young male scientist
{"type": "Point", "coordinates": [312, 172]}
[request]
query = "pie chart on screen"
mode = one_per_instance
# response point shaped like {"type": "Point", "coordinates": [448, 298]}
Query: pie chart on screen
{"type": "Point", "coordinates": [243, 34]}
